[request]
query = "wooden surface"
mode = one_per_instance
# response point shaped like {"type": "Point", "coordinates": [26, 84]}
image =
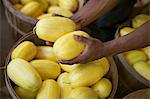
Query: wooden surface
{"type": "Point", "coordinates": [127, 83]}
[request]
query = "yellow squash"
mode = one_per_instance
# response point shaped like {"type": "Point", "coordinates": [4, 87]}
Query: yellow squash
{"type": "Point", "coordinates": [43, 16]}
{"type": "Point", "coordinates": [46, 68]}
{"type": "Point", "coordinates": [64, 83]}
{"type": "Point", "coordinates": [126, 30]}
{"type": "Point", "coordinates": [103, 88]}
{"type": "Point", "coordinates": [71, 5]}
{"type": "Point", "coordinates": [86, 74]}
{"type": "Point", "coordinates": [24, 75]}
{"type": "Point", "coordinates": [60, 11]}
{"type": "Point", "coordinates": [68, 68]}
{"type": "Point", "coordinates": [147, 51]}
{"type": "Point", "coordinates": [45, 52]}
{"type": "Point", "coordinates": [32, 9]}
{"type": "Point", "coordinates": [49, 90]}
{"type": "Point", "coordinates": [14, 1]}
{"type": "Point", "coordinates": [53, 2]}
{"type": "Point", "coordinates": [66, 47]}
{"type": "Point", "coordinates": [24, 2]}
{"type": "Point", "coordinates": [135, 56]}
{"type": "Point", "coordinates": [83, 93]}
{"type": "Point", "coordinates": [23, 93]}
{"type": "Point", "coordinates": [143, 69]}
{"type": "Point", "coordinates": [26, 50]}
{"type": "Point", "coordinates": [44, 4]}
{"type": "Point", "coordinates": [104, 63]}
{"type": "Point", "coordinates": [139, 20]}
{"type": "Point", "coordinates": [18, 6]}
{"type": "Point", "coordinates": [148, 62]}
{"type": "Point", "coordinates": [50, 29]}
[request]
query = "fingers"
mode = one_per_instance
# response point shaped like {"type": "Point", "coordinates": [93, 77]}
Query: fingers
{"type": "Point", "coordinates": [69, 62]}
{"type": "Point", "coordinates": [81, 39]}
{"type": "Point", "coordinates": [49, 43]}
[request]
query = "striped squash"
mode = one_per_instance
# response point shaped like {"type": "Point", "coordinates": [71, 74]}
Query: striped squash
{"type": "Point", "coordinates": [32, 9]}
{"type": "Point", "coordinates": [50, 29]}
{"type": "Point", "coordinates": [60, 11]}
{"type": "Point", "coordinates": [43, 16]}
{"type": "Point", "coordinates": [44, 4]}
{"type": "Point", "coordinates": [71, 5]}
{"type": "Point", "coordinates": [64, 83]}
{"type": "Point", "coordinates": [53, 2]}
{"type": "Point", "coordinates": [49, 90]}
{"type": "Point", "coordinates": [148, 62]}
{"type": "Point", "coordinates": [104, 63]}
{"type": "Point", "coordinates": [147, 51]}
{"type": "Point", "coordinates": [83, 93]}
{"type": "Point", "coordinates": [45, 52]}
{"type": "Point", "coordinates": [103, 88]}
{"type": "Point", "coordinates": [14, 1]}
{"type": "Point", "coordinates": [24, 75]}
{"type": "Point", "coordinates": [135, 56]}
{"type": "Point", "coordinates": [86, 74]}
{"type": "Point", "coordinates": [23, 93]}
{"type": "Point", "coordinates": [18, 6]}
{"type": "Point", "coordinates": [24, 2]}
{"type": "Point", "coordinates": [46, 68]}
{"type": "Point", "coordinates": [26, 50]}
{"type": "Point", "coordinates": [68, 68]}
{"type": "Point", "coordinates": [139, 20]}
{"type": "Point", "coordinates": [66, 48]}
{"type": "Point", "coordinates": [126, 30]}
{"type": "Point", "coordinates": [143, 69]}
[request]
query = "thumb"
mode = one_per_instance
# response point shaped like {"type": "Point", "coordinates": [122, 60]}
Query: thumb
{"type": "Point", "coordinates": [81, 39]}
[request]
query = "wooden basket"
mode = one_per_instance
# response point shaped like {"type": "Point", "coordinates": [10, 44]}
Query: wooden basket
{"type": "Point", "coordinates": [140, 94]}
{"type": "Point", "coordinates": [112, 74]}
{"type": "Point", "coordinates": [20, 22]}
{"type": "Point", "coordinates": [125, 63]}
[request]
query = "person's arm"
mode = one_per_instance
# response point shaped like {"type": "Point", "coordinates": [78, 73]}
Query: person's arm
{"type": "Point", "coordinates": [95, 49]}
{"type": "Point", "coordinates": [92, 10]}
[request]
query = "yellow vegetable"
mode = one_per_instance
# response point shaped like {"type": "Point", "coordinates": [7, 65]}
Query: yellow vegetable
{"type": "Point", "coordinates": [71, 5]}
{"type": "Point", "coordinates": [68, 68]}
{"type": "Point", "coordinates": [18, 6]}
{"type": "Point", "coordinates": [64, 83]}
{"type": "Point", "coordinates": [147, 51]}
{"type": "Point", "coordinates": [32, 9]}
{"type": "Point", "coordinates": [45, 52]}
{"type": "Point", "coordinates": [24, 75]}
{"type": "Point", "coordinates": [43, 3]}
{"type": "Point", "coordinates": [43, 16]}
{"type": "Point", "coordinates": [49, 90]}
{"type": "Point", "coordinates": [46, 68]}
{"type": "Point", "coordinates": [135, 56]}
{"type": "Point", "coordinates": [60, 11]}
{"type": "Point", "coordinates": [53, 2]}
{"type": "Point", "coordinates": [83, 93]}
{"type": "Point", "coordinates": [148, 62]}
{"type": "Point", "coordinates": [66, 48]}
{"type": "Point", "coordinates": [126, 30]}
{"type": "Point", "coordinates": [23, 93]}
{"type": "Point", "coordinates": [143, 69]}
{"type": "Point", "coordinates": [24, 2]}
{"type": "Point", "coordinates": [14, 1]}
{"type": "Point", "coordinates": [86, 74]}
{"type": "Point", "coordinates": [139, 20]}
{"type": "Point", "coordinates": [50, 29]}
{"type": "Point", "coordinates": [26, 50]}
{"type": "Point", "coordinates": [104, 63]}
{"type": "Point", "coordinates": [103, 88]}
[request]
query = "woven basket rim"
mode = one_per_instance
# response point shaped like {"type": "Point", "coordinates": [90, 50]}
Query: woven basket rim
{"type": "Point", "coordinates": [18, 14]}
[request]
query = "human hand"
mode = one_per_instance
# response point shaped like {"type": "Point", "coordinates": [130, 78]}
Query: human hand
{"type": "Point", "coordinates": [94, 49]}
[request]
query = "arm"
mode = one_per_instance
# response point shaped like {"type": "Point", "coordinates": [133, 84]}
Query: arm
{"type": "Point", "coordinates": [92, 10]}
{"type": "Point", "coordinates": [95, 49]}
